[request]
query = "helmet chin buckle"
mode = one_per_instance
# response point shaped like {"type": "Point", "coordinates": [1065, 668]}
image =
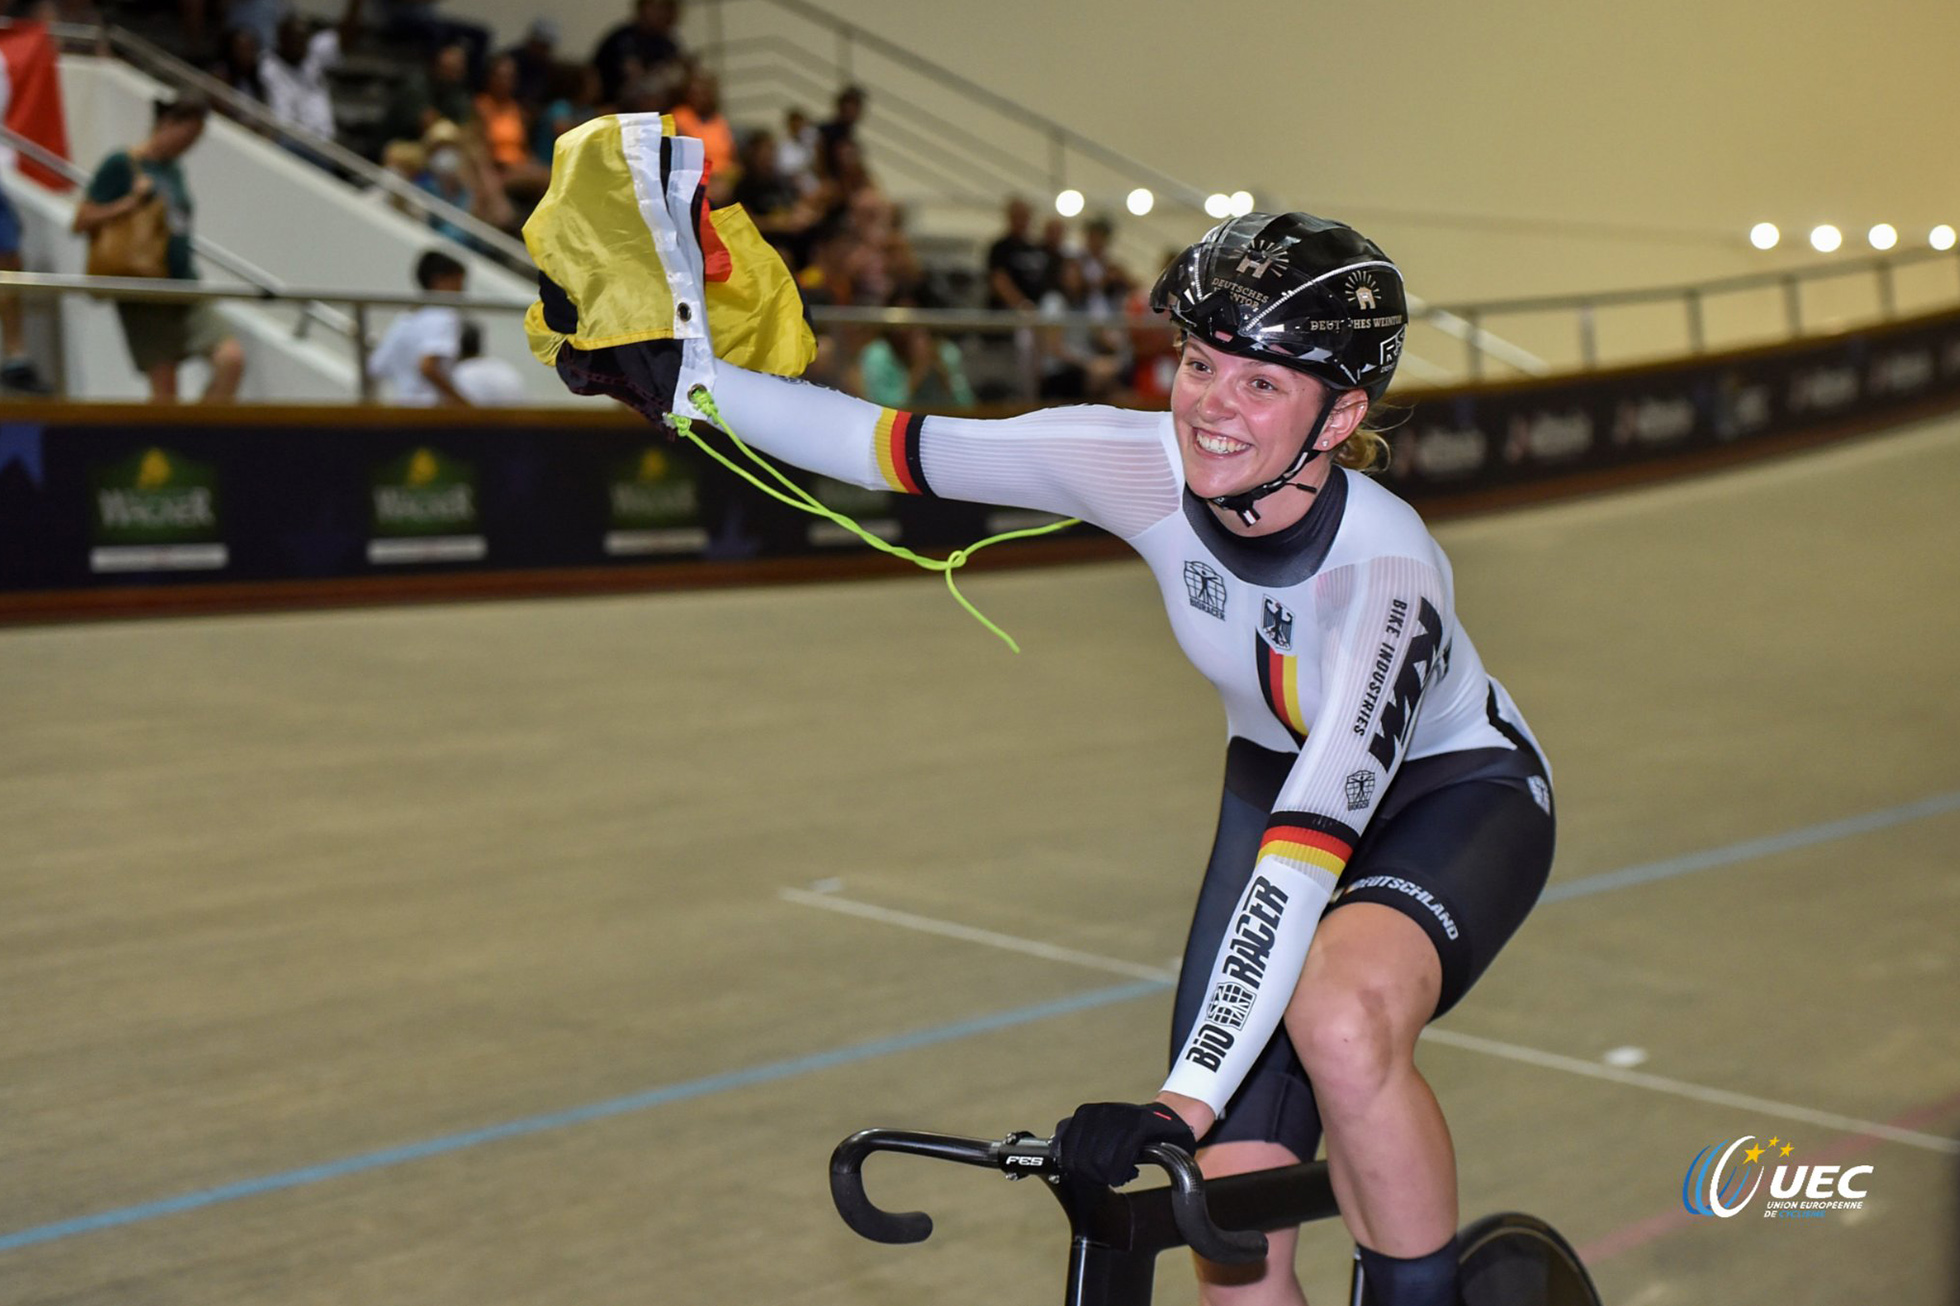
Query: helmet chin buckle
{"type": "Point", "coordinates": [1241, 504]}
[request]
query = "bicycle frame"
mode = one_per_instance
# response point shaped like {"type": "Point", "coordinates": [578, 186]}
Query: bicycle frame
{"type": "Point", "coordinates": [1115, 1237]}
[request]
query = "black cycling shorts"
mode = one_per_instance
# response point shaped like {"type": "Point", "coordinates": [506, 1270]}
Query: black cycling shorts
{"type": "Point", "coordinates": [1461, 844]}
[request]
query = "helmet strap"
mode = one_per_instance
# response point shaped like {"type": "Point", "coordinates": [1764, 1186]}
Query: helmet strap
{"type": "Point", "coordinates": [1241, 504]}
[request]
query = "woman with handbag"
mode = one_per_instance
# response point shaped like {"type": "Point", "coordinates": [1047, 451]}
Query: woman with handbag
{"type": "Point", "coordinates": [136, 213]}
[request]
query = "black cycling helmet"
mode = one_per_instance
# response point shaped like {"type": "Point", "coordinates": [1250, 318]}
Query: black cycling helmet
{"type": "Point", "coordinates": [1313, 295]}
{"type": "Point", "coordinates": [1294, 289]}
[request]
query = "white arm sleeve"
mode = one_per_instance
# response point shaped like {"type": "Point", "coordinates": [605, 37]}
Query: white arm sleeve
{"type": "Point", "coordinates": [1110, 467]}
{"type": "Point", "coordinates": [1382, 643]}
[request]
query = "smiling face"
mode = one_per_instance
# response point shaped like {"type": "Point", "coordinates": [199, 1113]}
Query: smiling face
{"type": "Point", "coordinates": [1239, 421]}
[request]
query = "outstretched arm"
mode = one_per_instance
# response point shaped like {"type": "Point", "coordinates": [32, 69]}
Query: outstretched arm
{"type": "Point", "coordinates": [1107, 466]}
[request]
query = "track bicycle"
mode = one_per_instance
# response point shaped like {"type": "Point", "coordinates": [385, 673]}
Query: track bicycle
{"type": "Point", "coordinates": [1507, 1259]}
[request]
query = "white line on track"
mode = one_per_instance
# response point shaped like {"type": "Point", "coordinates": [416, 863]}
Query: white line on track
{"type": "Point", "coordinates": [1447, 1037]}
{"type": "Point", "coordinates": [968, 934]}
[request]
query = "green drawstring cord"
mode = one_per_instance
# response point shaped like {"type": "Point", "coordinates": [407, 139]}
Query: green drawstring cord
{"type": "Point", "coordinates": [800, 498]}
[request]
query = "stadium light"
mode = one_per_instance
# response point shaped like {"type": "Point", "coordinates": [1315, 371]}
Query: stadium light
{"type": "Point", "coordinates": [1069, 202]}
{"type": "Point", "coordinates": [1218, 205]}
{"type": "Point", "coordinates": [1141, 201]}
{"type": "Point", "coordinates": [1241, 203]}
{"type": "Point", "coordinates": [1883, 236]}
{"type": "Point", "coordinates": [1764, 235]}
{"type": "Point", "coordinates": [1824, 238]}
{"type": "Point", "coordinates": [1941, 237]}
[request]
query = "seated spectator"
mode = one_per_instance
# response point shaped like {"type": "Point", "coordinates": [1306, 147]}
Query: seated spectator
{"type": "Point", "coordinates": [485, 382]}
{"type": "Point", "coordinates": [699, 115]}
{"type": "Point", "coordinates": [238, 64]}
{"type": "Point", "coordinates": [657, 90]}
{"type": "Point", "coordinates": [1077, 361]}
{"type": "Point", "coordinates": [835, 266]}
{"type": "Point", "coordinates": [441, 90]}
{"type": "Point", "coordinates": [1019, 272]}
{"type": "Point", "coordinates": [163, 335]}
{"type": "Point", "coordinates": [507, 134]}
{"type": "Point", "coordinates": [1110, 283]}
{"type": "Point", "coordinates": [636, 48]}
{"type": "Point", "coordinates": [906, 368]}
{"type": "Point", "coordinates": [407, 160]}
{"type": "Point", "coordinates": [572, 98]}
{"type": "Point", "coordinates": [848, 110]}
{"type": "Point", "coordinates": [774, 202]}
{"type": "Point", "coordinates": [420, 348]}
{"type": "Point", "coordinates": [796, 155]}
{"type": "Point", "coordinates": [459, 175]}
{"type": "Point", "coordinates": [295, 73]}
{"type": "Point", "coordinates": [17, 371]}
{"type": "Point", "coordinates": [537, 63]}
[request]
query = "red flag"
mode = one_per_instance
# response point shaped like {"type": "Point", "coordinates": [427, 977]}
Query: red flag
{"type": "Point", "coordinates": [30, 95]}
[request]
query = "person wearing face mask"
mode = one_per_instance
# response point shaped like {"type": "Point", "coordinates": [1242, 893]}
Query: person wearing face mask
{"type": "Point", "coordinates": [1387, 818]}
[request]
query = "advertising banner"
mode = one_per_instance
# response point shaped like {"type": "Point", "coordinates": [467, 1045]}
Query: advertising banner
{"type": "Point", "coordinates": [87, 502]}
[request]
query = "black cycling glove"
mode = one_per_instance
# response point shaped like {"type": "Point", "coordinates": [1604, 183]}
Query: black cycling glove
{"type": "Point", "coordinates": [1102, 1141]}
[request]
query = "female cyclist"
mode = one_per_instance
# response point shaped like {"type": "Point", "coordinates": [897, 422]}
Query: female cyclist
{"type": "Point", "coordinates": [1383, 800]}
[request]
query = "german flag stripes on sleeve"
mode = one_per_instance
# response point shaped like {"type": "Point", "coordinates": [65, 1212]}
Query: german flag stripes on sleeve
{"type": "Point", "coordinates": [1316, 845]}
{"type": "Point", "coordinates": [896, 443]}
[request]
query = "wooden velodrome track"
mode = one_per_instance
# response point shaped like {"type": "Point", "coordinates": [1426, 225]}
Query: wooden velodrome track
{"type": "Point", "coordinates": [539, 952]}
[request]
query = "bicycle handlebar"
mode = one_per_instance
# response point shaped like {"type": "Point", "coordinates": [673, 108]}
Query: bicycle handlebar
{"type": "Point", "coordinates": [1018, 1155]}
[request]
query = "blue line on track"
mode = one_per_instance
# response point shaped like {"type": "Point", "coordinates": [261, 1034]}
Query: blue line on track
{"type": "Point", "coordinates": [680, 1092]}
{"type": "Point", "coordinates": [1750, 849]}
{"type": "Point", "coordinates": [1937, 805]}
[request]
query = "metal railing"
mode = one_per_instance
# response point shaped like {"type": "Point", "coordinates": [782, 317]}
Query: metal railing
{"type": "Point", "coordinates": [354, 323]}
{"type": "Point", "coordinates": [264, 284]}
{"type": "Point", "coordinates": [168, 68]}
{"type": "Point", "coordinates": [1692, 301]}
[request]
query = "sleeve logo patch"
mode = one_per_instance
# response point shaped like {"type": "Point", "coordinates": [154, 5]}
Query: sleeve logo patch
{"type": "Point", "coordinates": [1360, 788]}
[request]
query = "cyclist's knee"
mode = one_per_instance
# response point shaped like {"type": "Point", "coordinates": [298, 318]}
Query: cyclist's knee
{"type": "Point", "coordinates": [1350, 1041]}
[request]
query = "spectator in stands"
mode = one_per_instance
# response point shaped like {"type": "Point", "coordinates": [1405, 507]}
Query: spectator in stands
{"type": "Point", "coordinates": [460, 175]}
{"type": "Point", "coordinates": [906, 368]}
{"type": "Point", "coordinates": [699, 115]}
{"type": "Point", "coordinates": [775, 203]}
{"type": "Point", "coordinates": [17, 371]}
{"type": "Point", "coordinates": [573, 98]}
{"type": "Point", "coordinates": [163, 335]}
{"type": "Point", "coordinates": [1019, 272]}
{"type": "Point", "coordinates": [1109, 282]}
{"type": "Point", "coordinates": [485, 382]}
{"type": "Point", "coordinates": [238, 64]}
{"type": "Point", "coordinates": [843, 124]}
{"type": "Point", "coordinates": [537, 62]}
{"type": "Point", "coordinates": [259, 17]}
{"type": "Point", "coordinates": [441, 90]}
{"type": "Point", "coordinates": [657, 90]}
{"type": "Point", "coordinates": [633, 49]}
{"type": "Point", "coordinates": [796, 154]}
{"type": "Point", "coordinates": [1077, 361]}
{"type": "Point", "coordinates": [507, 134]}
{"type": "Point", "coordinates": [295, 73]}
{"type": "Point", "coordinates": [417, 353]}
{"type": "Point", "coordinates": [407, 160]}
